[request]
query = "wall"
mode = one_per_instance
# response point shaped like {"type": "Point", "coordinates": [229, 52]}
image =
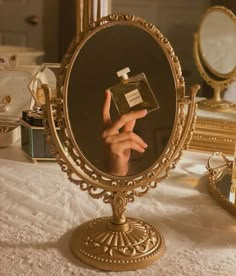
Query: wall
{"type": "Point", "coordinates": [67, 24]}
{"type": "Point", "coordinates": [51, 31]}
{"type": "Point", "coordinates": [177, 20]}
{"type": "Point", "coordinates": [230, 4]}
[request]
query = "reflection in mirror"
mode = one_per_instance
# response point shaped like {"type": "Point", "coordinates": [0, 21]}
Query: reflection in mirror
{"type": "Point", "coordinates": [215, 54]}
{"type": "Point", "coordinates": [224, 190]}
{"type": "Point", "coordinates": [227, 188]}
{"type": "Point", "coordinates": [88, 118]}
{"type": "Point", "coordinates": [100, 58]}
{"type": "Point", "coordinates": [222, 180]}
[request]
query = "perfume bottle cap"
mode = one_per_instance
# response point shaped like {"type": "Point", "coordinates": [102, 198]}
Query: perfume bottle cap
{"type": "Point", "coordinates": [123, 74]}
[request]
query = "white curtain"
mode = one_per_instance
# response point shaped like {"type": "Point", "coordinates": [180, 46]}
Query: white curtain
{"type": "Point", "coordinates": [91, 10]}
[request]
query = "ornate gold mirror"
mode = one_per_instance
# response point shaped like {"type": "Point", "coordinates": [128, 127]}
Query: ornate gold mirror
{"type": "Point", "coordinates": [88, 69]}
{"type": "Point", "coordinates": [222, 180]}
{"type": "Point", "coordinates": [215, 55]}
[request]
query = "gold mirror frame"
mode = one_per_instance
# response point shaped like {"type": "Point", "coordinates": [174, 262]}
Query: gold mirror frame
{"type": "Point", "coordinates": [220, 184]}
{"type": "Point", "coordinates": [117, 242]}
{"type": "Point", "coordinates": [216, 80]}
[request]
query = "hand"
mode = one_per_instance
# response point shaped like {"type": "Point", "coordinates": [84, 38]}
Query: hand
{"type": "Point", "coordinates": [119, 138]}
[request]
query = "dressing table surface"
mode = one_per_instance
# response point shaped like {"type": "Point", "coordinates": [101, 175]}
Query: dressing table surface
{"type": "Point", "coordinates": [215, 115]}
{"type": "Point", "coordinates": [39, 208]}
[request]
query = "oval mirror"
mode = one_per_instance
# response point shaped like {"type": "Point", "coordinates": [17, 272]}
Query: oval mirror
{"type": "Point", "coordinates": [100, 57]}
{"type": "Point", "coordinates": [215, 55]}
{"type": "Point", "coordinates": [154, 93]}
{"type": "Point", "coordinates": [217, 39]}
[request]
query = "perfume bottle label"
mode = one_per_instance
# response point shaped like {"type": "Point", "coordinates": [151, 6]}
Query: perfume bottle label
{"type": "Point", "coordinates": [133, 97]}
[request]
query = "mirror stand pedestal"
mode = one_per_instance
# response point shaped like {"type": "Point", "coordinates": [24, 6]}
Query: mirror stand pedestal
{"type": "Point", "coordinates": [117, 243]}
{"type": "Point", "coordinates": [129, 246]}
{"type": "Point", "coordinates": [217, 103]}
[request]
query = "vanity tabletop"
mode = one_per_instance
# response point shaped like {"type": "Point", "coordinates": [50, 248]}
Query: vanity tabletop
{"type": "Point", "coordinates": [39, 209]}
{"type": "Point", "coordinates": [211, 114]}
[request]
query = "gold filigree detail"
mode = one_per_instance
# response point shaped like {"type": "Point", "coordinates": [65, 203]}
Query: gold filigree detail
{"type": "Point", "coordinates": [6, 100]}
{"type": "Point", "coordinates": [117, 243]}
{"type": "Point", "coordinates": [99, 244]}
{"type": "Point", "coordinates": [216, 173]}
{"type": "Point", "coordinates": [179, 133]}
{"type": "Point", "coordinates": [219, 131]}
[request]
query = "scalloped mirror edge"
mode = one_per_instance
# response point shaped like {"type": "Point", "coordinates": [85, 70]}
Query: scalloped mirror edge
{"type": "Point", "coordinates": [116, 242]}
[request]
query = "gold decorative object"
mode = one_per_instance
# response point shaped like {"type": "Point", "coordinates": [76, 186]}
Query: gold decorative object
{"type": "Point", "coordinates": [221, 181]}
{"type": "Point", "coordinates": [214, 48]}
{"type": "Point", "coordinates": [46, 74]}
{"type": "Point", "coordinates": [6, 100]}
{"type": "Point", "coordinates": [116, 242]}
{"type": "Point", "coordinates": [5, 103]}
{"type": "Point", "coordinates": [213, 133]}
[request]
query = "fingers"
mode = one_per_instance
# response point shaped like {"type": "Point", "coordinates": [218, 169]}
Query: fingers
{"type": "Point", "coordinates": [129, 126]}
{"type": "Point", "coordinates": [106, 108]}
{"type": "Point", "coordinates": [118, 149]}
{"type": "Point", "coordinates": [128, 118]}
{"type": "Point", "coordinates": [125, 136]}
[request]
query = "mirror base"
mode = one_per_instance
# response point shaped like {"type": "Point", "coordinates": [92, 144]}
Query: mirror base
{"type": "Point", "coordinates": [214, 105]}
{"type": "Point", "coordinates": [132, 248]}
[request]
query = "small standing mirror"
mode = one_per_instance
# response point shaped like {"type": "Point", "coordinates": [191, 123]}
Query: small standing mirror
{"type": "Point", "coordinates": [215, 54]}
{"type": "Point", "coordinates": [89, 122]}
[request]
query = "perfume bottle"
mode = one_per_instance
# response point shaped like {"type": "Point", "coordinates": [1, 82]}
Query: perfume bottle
{"type": "Point", "coordinates": [133, 93]}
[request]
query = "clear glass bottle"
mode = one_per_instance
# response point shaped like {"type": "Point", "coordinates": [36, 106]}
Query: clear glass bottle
{"type": "Point", "coordinates": [133, 93]}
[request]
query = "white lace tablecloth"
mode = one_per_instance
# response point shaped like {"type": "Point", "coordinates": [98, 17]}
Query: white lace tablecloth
{"type": "Point", "coordinates": [39, 208]}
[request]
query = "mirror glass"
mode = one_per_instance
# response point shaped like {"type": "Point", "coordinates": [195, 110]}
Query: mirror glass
{"type": "Point", "coordinates": [223, 189]}
{"type": "Point", "coordinates": [223, 185]}
{"type": "Point", "coordinates": [222, 180]}
{"type": "Point", "coordinates": [93, 70]}
{"type": "Point", "coordinates": [217, 38]}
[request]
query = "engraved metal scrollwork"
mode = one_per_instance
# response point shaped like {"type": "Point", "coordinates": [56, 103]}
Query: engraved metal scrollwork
{"type": "Point", "coordinates": [117, 242]}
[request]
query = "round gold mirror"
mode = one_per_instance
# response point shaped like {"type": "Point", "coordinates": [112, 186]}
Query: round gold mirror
{"type": "Point", "coordinates": [215, 55]}
{"type": "Point", "coordinates": [89, 120]}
